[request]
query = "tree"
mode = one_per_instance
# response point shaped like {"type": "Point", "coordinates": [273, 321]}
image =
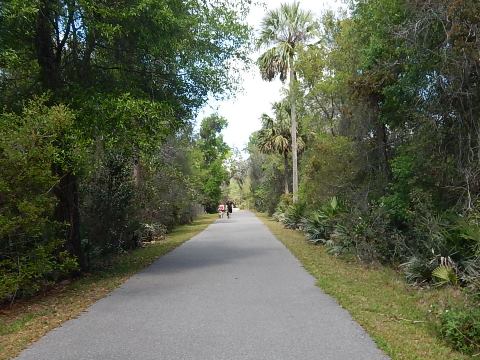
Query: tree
{"type": "Point", "coordinates": [283, 31]}
{"type": "Point", "coordinates": [133, 72]}
{"type": "Point", "coordinates": [212, 167]}
{"type": "Point", "coordinates": [265, 180]}
{"type": "Point", "coordinates": [131, 76]}
{"type": "Point", "coordinates": [275, 136]}
{"type": "Point", "coordinates": [30, 252]}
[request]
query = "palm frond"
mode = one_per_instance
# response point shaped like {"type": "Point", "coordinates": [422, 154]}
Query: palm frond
{"type": "Point", "coordinates": [272, 63]}
{"type": "Point", "coordinates": [282, 30]}
{"type": "Point", "coordinates": [445, 274]}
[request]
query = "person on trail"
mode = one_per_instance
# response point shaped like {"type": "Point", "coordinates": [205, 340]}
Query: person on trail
{"type": "Point", "coordinates": [229, 208]}
{"type": "Point", "coordinates": [221, 210]}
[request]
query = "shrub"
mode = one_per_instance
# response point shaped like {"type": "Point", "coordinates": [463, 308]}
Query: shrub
{"type": "Point", "coordinates": [150, 232]}
{"type": "Point", "coordinates": [418, 269]}
{"type": "Point", "coordinates": [331, 173]}
{"type": "Point", "coordinates": [370, 235]}
{"type": "Point", "coordinates": [40, 266]}
{"type": "Point", "coordinates": [461, 328]}
{"type": "Point", "coordinates": [293, 216]}
{"type": "Point", "coordinates": [319, 226]}
{"type": "Point", "coordinates": [107, 206]}
{"type": "Point", "coordinates": [470, 275]}
{"type": "Point", "coordinates": [31, 255]}
{"type": "Point", "coordinates": [467, 233]}
{"type": "Point", "coordinates": [283, 204]}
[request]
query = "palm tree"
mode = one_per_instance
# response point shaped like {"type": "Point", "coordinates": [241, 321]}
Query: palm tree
{"type": "Point", "coordinates": [275, 136]}
{"type": "Point", "coordinates": [282, 32]}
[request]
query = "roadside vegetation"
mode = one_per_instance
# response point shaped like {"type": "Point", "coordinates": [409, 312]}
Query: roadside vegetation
{"type": "Point", "coordinates": [402, 320]}
{"type": "Point", "coordinates": [384, 115]}
{"type": "Point", "coordinates": [28, 320]}
{"type": "Point", "coordinates": [97, 148]}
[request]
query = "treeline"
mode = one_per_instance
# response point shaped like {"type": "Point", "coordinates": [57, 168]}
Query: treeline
{"type": "Point", "coordinates": [388, 105]}
{"type": "Point", "coordinates": [97, 150]}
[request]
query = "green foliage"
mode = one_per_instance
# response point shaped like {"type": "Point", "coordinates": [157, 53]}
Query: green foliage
{"type": "Point", "coordinates": [31, 255]}
{"type": "Point", "coordinates": [470, 276]}
{"type": "Point", "coordinates": [283, 30]}
{"type": "Point", "coordinates": [266, 178]}
{"type": "Point", "coordinates": [418, 270]}
{"type": "Point", "coordinates": [371, 236]}
{"type": "Point", "coordinates": [211, 141]}
{"type": "Point", "coordinates": [333, 172]}
{"type": "Point", "coordinates": [134, 73]}
{"type": "Point", "coordinates": [321, 224]}
{"type": "Point", "coordinates": [151, 232]}
{"type": "Point", "coordinates": [292, 216]}
{"type": "Point", "coordinates": [107, 206]}
{"type": "Point", "coordinates": [214, 152]}
{"type": "Point", "coordinates": [445, 274]}
{"type": "Point", "coordinates": [461, 328]}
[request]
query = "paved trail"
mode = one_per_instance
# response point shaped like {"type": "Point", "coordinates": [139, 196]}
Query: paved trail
{"type": "Point", "coordinates": [233, 292]}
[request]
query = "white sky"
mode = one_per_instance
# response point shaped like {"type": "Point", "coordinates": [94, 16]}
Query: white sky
{"type": "Point", "coordinates": [243, 110]}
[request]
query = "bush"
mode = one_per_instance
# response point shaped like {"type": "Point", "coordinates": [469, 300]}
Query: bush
{"type": "Point", "coordinates": [329, 165]}
{"type": "Point", "coordinates": [292, 217]}
{"type": "Point", "coordinates": [32, 271]}
{"type": "Point", "coordinates": [467, 233]}
{"type": "Point", "coordinates": [461, 328]}
{"type": "Point", "coordinates": [369, 235]}
{"type": "Point", "coordinates": [438, 270]}
{"type": "Point", "coordinates": [470, 275]}
{"type": "Point", "coordinates": [320, 225]}
{"type": "Point", "coordinates": [31, 255]}
{"type": "Point", "coordinates": [150, 232]}
{"type": "Point", "coordinates": [107, 206]}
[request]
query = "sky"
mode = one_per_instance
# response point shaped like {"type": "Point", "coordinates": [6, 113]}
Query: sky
{"type": "Point", "coordinates": [243, 109]}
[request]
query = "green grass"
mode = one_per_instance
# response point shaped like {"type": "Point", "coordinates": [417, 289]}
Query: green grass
{"type": "Point", "coordinates": [26, 321]}
{"type": "Point", "coordinates": [402, 320]}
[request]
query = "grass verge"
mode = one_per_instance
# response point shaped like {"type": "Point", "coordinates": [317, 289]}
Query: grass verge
{"type": "Point", "coordinates": [27, 321]}
{"type": "Point", "coordinates": [401, 320]}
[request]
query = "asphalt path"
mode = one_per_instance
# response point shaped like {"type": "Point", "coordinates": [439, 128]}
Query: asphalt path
{"type": "Point", "coordinates": [232, 292]}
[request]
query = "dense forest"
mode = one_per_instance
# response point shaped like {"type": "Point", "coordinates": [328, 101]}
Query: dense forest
{"type": "Point", "coordinates": [382, 106]}
{"type": "Point", "coordinates": [97, 144]}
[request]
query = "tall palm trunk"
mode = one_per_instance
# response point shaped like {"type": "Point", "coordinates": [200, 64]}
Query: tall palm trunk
{"type": "Point", "coordinates": [294, 130]}
{"type": "Point", "coordinates": [285, 159]}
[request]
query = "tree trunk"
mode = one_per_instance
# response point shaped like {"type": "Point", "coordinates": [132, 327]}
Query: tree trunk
{"type": "Point", "coordinates": [136, 172]}
{"type": "Point", "coordinates": [49, 57]}
{"type": "Point", "coordinates": [285, 159]}
{"type": "Point", "coordinates": [381, 138]}
{"type": "Point", "coordinates": [294, 130]}
{"type": "Point", "coordinates": [382, 149]}
{"type": "Point", "coordinates": [67, 211]}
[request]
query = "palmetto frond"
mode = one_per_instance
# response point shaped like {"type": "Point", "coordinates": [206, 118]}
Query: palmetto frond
{"type": "Point", "coordinates": [281, 31]}
{"type": "Point", "coordinates": [288, 24]}
{"type": "Point", "coordinates": [300, 24]}
{"type": "Point", "coordinates": [275, 134]}
{"type": "Point", "coordinates": [274, 62]}
{"type": "Point", "coordinates": [267, 121]}
{"type": "Point", "coordinates": [281, 143]}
